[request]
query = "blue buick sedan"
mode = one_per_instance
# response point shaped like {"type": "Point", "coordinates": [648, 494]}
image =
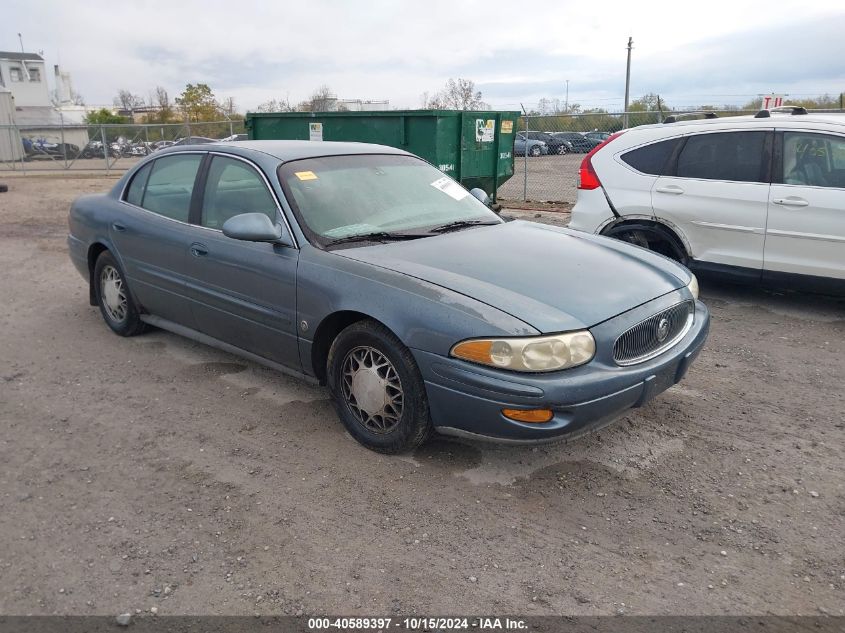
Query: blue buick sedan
{"type": "Point", "coordinates": [366, 269]}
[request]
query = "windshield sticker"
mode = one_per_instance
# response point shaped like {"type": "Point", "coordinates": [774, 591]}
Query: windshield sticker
{"type": "Point", "coordinates": [306, 175]}
{"type": "Point", "coordinates": [315, 131]}
{"type": "Point", "coordinates": [450, 188]}
{"type": "Point", "coordinates": [485, 130]}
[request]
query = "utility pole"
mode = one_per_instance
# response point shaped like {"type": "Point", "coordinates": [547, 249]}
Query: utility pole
{"type": "Point", "coordinates": [566, 106]}
{"type": "Point", "coordinates": [627, 83]}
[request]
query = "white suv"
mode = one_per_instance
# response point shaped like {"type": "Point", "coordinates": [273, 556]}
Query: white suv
{"type": "Point", "coordinates": [757, 198]}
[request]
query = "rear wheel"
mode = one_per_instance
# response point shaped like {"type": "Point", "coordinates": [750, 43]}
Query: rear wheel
{"type": "Point", "coordinates": [377, 389]}
{"type": "Point", "coordinates": [113, 297]}
{"type": "Point", "coordinates": [535, 150]}
{"type": "Point", "coordinates": [654, 238]}
{"type": "Point", "coordinates": [561, 149]}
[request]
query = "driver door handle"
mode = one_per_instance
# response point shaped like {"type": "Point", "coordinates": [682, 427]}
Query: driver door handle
{"type": "Point", "coordinates": [199, 250]}
{"type": "Point", "coordinates": [118, 227]}
{"type": "Point", "coordinates": [673, 189]}
{"type": "Point", "coordinates": [791, 202]}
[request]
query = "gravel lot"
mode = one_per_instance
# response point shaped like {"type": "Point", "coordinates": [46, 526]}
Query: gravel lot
{"type": "Point", "coordinates": [550, 179]}
{"type": "Point", "coordinates": [154, 472]}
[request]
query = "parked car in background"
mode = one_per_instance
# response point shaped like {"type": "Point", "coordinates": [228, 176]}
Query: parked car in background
{"type": "Point", "coordinates": [162, 144]}
{"type": "Point", "coordinates": [758, 199]}
{"type": "Point", "coordinates": [597, 136]}
{"type": "Point", "coordinates": [194, 140]}
{"type": "Point", "coordinates": [365, 268]}
{"type": "Point", "coordinates": [532, 146]}
{"type": "Point", "coordinates": [233, 138]}
{"type": "Point", "coordinates": [577, 142]}
{"type": "Point", "coordinates": [554, 144]}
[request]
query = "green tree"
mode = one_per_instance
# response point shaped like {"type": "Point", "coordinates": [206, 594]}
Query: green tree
{"type": "Point", "coordinates": [198, 104]}
{"type": "Point", "coordinates": [104, 116]}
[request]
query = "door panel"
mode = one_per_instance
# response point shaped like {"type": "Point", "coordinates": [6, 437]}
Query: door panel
{"type": "Point", "coordinates": [243, 293]}
{"type": "Point", "coordinates": [152, 234]}
{"type": "Point", "coordinates": [806, 227]}
{"type": "Point", "coordinates": [153, 251]}
{"type": "Point", "coordinates": [717, 195]}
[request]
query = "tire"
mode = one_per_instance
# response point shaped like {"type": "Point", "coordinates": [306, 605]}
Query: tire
{"type": "Point", "coordinates": [535, 150]}
{"type": "Point", "coordinates": [653, 238]}
{"type": "Point", "coordinates": [4, 188]}
{"type": "Point", "coordinates": [561, 149]}
{"type": "Point", "coordinates": [366, 366]}
{"type": "Point", "coordinates": [113, 297]}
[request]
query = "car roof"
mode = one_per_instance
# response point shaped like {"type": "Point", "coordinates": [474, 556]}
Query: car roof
{"type": "Point", "coordinates": [292, 150]}
{"type": "Point", "coordinates": [779, 119]}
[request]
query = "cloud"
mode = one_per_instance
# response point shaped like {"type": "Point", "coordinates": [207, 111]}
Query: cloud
{"type": "Point", "coordinates": [380, 49]}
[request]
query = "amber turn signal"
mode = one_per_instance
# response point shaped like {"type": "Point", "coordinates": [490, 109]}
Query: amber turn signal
{"type": "Point", "coordinates": [476, 351]}
{"type": "Point", "coordinates": [528, 415]}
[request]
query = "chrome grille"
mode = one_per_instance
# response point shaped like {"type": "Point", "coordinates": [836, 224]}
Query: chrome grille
{"type": "Point", "coordinates": [652, 336]}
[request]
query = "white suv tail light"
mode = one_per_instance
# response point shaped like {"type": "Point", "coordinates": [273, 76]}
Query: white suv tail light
{"type": "Point", "coordinates": [587, 177]}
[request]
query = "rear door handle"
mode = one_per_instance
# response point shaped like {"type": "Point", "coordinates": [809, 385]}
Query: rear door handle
{"type": "Point", "coordinates": [199, 250]}
{"type": "Point", "coordinates": [118, 227]}
{"type": "Point", "coordinates": [673, 189]}
{"type": "Point", "coordinates": [791, 202]}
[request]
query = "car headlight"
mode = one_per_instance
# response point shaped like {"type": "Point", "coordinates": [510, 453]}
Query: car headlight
{"type": "Point", "coordinates": [532, 354]}
{"type": "Point", "coordinates": [693, 287]}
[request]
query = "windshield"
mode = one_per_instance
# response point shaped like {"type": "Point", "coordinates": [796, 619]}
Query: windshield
{"type": "Point", "coordinates": [338, 197]}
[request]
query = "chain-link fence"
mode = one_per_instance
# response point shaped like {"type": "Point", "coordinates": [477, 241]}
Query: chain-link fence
{"type": "Point", "coordinates": [83, 147]}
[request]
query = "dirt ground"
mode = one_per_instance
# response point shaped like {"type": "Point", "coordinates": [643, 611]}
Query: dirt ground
{"type": "Point", "coordinates": [156, 472]}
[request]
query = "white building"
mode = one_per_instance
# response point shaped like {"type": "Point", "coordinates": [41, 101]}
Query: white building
{"type": "Point", "coordinates": [27, 106]}
{"type": "Point", "coordinates": [24, 75]}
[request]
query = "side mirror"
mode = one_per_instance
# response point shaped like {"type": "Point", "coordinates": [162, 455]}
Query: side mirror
{"type": "Point", "coordinates": [253, 227]}
{"type": "Point", "coordinates": [481, 195]}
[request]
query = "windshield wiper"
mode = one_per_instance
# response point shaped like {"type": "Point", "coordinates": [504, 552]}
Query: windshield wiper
{"type": "Point", "coordinates": [460, 224]}
{"type": "Point", "coordinates": [377, 236]}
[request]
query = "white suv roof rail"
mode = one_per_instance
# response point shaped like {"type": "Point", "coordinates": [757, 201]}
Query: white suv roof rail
{"type": "Point", "coordinates": [705, 114]}
{"type": "Point", "coordinates": [765, 114]}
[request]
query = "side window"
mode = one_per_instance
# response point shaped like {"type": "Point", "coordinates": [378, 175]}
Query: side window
{"type": "Point", "coordinates": [171, 184]}
{"type": "Point", "coordinates": [736, 156]}
{"type": "Point", "coordinates": [651, 159]}
{"type": "Point", "coordinates": [135, 192]}
{"type": "Point", "coordinates": [815, 160]}
{"type": "Point", "coordinates": [234, 187]}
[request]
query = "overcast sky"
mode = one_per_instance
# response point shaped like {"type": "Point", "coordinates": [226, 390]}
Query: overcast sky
{"type": "Point", "coordinates": [691, 53]}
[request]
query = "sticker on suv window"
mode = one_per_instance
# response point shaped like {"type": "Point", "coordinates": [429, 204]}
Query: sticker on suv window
{"type": "Point", "coordinates": [450, 188]}
{"type": "Point", "coordinates": [306, 175]}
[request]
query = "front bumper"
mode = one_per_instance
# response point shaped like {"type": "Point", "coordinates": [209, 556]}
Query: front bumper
{"type": "Point", "coordinates": [466, 399]}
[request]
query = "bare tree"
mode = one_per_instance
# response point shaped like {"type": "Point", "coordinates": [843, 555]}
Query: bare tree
{"type": "Point", "coordinates": [458, 94]}
{"type": "Point", "coordinates": [125, 100]}
{"type": "Point", "coordinates": [164, 108]}
{"type": "Point", "coordinates": [323, 99]}
{"type": "Point", "coordinates": [275, 105]}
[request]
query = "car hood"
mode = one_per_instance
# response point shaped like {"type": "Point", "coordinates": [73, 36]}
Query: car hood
{"type": "Point", "coordinates": [552, 278]}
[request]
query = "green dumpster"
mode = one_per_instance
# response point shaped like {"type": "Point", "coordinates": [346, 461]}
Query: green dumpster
{"type": "Point", "coordinates": [475, 148]}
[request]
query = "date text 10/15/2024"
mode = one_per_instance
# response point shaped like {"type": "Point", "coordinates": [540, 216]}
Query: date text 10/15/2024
{"type": "Point", "coordinates": [415, 624]}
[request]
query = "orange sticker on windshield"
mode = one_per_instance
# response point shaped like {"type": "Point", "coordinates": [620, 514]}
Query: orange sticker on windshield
{"type": "Point", "coordinates": [306, 175]}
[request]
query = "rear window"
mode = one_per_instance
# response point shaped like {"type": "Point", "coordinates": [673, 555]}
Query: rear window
{"type": "Point", "coordinates": [651, 159]}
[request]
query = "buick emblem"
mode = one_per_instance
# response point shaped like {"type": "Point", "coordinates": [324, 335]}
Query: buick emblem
{"type": "Point", "coordinates": [662, 330]}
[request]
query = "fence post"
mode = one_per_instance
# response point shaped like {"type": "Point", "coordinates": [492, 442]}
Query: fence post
{"type": "Point", "coordinates": [525, 161]}
{"type": "Point", "coordinates": [105, 148]}
{"type": "Point", "coordinates": [64, 145]}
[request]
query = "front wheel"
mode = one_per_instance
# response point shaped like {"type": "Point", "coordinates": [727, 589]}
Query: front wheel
{"type": "Point", "coordinates": [112, 294]}
{"type": "Point", "coordinates": [377, 389]}
{"type": "Point", "coordinates": [535, 150]}
{"type": "Point", "coordinates": [561, 149]}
